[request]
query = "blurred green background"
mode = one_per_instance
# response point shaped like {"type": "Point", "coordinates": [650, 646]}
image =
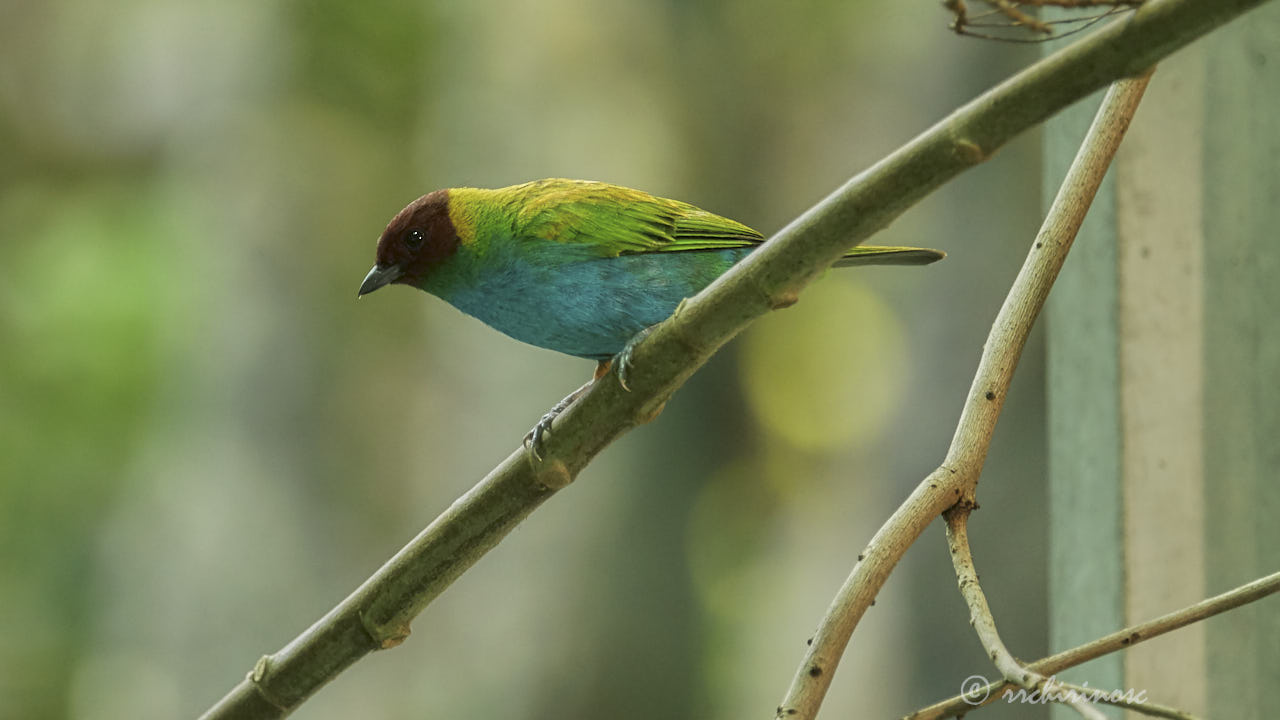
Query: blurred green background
{"type": "Point", "coordinates": [206, 441]}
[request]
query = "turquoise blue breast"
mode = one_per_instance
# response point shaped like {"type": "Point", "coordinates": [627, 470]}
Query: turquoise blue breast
{"type": "Point", "coordinates": [559, 297]}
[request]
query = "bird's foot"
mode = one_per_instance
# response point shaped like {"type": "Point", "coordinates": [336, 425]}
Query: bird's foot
{"type": "Point", "coordinates": [533, 439]}
{"type": "Point", "coordinates": [623, 361]}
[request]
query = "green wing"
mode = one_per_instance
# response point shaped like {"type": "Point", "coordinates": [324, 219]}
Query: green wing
{"type": "Point", "coordinates": [614, 220]}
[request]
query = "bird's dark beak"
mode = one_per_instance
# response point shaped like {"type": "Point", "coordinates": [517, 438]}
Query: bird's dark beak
{"type": "Point", "coordinates": [380, 275]}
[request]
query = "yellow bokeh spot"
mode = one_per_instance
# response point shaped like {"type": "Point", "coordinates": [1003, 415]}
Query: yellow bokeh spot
{"type": "Point", "coordinates": [826, 373]}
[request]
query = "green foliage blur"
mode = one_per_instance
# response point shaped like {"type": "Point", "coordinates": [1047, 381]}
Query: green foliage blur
{"type": "Point", "coordinates": [206, 441]}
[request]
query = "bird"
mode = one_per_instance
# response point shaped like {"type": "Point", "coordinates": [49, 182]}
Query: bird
{"type": "Point", "coordinates": [581, 267]}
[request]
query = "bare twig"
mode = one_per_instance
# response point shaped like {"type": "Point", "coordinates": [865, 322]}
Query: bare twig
{"type": "Point", "coordinates": [980, 616]}
{"type": "Point", "coordinates": [1012, 22]}
{"type": "Point", "coordinates": [1118, 640]}
{"type": "Point", "coordinates": [1072, 4]}
{"type": "Point", "coordinates": [1018, 17]}
{"type": "Point", "coordinates": [979, 612]}
{"type": "Point", "coordinates": [984, 622]}
{"type": "Point", "coordinates": [1010, 668]}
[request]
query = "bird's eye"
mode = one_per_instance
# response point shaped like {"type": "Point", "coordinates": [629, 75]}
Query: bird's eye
{"type": "Point", "coordinates": [413, 239]}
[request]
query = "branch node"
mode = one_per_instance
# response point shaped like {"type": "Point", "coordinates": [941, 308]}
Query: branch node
{"type": "Point", "coordinates": [384, 637]}
{"type": "Point", "coordinates": [260, 669]}
{"type": "Point", "coordinates": [553, 474]}
{"type": "Point", "coordinates": [650, 411]}
{"type": "Point", "coordinates": [970, 152]}
{"type": "Point", "coordinates": [784, 299]}
{"type": "Point", "coordinates": [400, 634]}
{"type": "Point", "coordinates": [257, 676]}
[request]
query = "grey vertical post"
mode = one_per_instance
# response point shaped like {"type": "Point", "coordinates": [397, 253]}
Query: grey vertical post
{"type": "Point", "coordinates": [1164, 381]}
{"type": "Point", "coordinates": [1242, 355]}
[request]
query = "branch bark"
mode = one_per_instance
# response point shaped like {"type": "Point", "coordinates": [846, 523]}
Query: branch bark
{"type": "Point", "coordinates": [378, 613]}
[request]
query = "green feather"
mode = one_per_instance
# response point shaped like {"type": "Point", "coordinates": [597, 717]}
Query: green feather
{"type": "Point", "coordinates": [877, 255]}
{"type": "Point", "coordinates": [614, 220]}
{"type": "Point", "coordinates": [611, 220]}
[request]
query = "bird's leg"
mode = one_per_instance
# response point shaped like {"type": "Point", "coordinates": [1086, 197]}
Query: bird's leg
{"type": "Point", "coordinates": [533, 440]}
{"type": "Point", "coordinates": [602, 369]}
{"type": "Point", "coordinates": [624, 358]}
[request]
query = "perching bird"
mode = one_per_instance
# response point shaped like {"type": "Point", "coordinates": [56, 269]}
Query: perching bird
{"type": "Point", "coordinates": [570, 265]}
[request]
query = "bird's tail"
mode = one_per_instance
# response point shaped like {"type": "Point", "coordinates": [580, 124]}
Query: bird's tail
{"type": "Point", "coordinates": [875, 255]}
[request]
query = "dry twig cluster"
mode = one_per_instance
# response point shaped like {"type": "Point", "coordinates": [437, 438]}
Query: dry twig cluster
{"type": "Point", "coordinates": [1010, 21]}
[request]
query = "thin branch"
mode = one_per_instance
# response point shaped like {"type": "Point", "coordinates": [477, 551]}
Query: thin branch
{"type": "Point", "coordinates": [957, 477]}
{"type": "Point", "coordinates": [1020, 18]}
{"type": "Point", "coordinates": [1073, 26]}
{"type": "Point", "coordinates": [980, 616]}
{"type": "Point", "coordinates": [1004, 348]}
{"type": "Point", "coordinates": [1008, 17]}
{"type": "Point", "coordinates": [1107, 644]}
{"type": "Point", "coordinates": [1072, 4]}
{"type": "Point", "coordinates": [1014, 672]}
{"type": "Point", "coordinates": [377, 615]}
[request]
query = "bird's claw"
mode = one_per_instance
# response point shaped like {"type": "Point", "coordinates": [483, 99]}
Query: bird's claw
{"type": "Point", "coordinates": [533, 439]}
{"type": "Point", "coordinates": [623, 362]}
